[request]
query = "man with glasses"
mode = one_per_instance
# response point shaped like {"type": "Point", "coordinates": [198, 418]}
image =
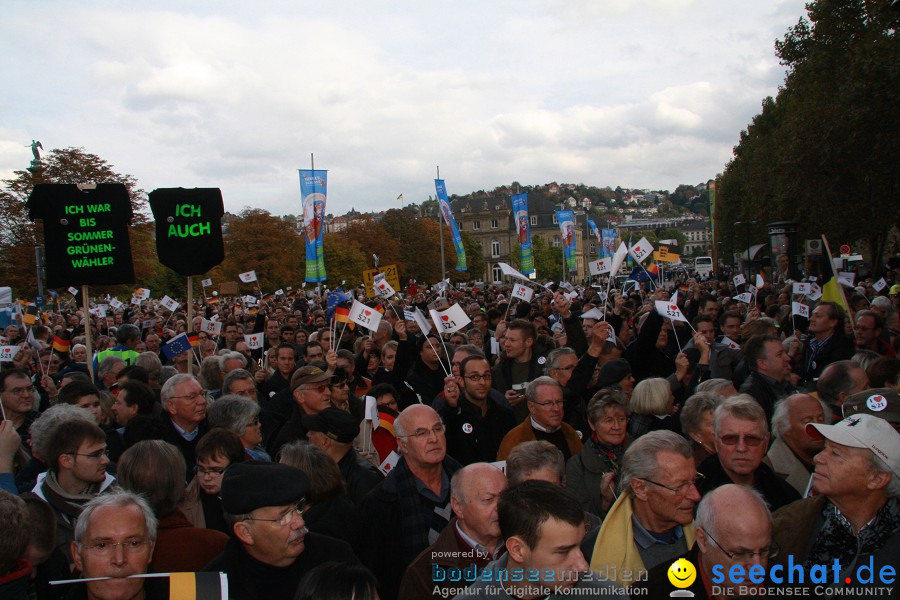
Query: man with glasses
{"type": "Point", "coordinates": [409, 509]}
{"type": "Point", "coordinates": [270, 549]}
{"type": "Point", "coordinates": [476, 423]}
{"type": "Point", "coordinates": [17, 397]}
{"type": "Point", "coordinates": [184, 415]}
{"type": "Point", "coordinates": [742, 439]}
{"type": "Point", "coordinates": [311, 395]}
{"type": "Point", "coordinates": [77, 461]}
{"type": "Point", "coordinates": [724, 540]}
{"type": "Point", "coordinates": [652, 521]}
{"type": "Point", "coordinates": [115, 538]}
{"type": "Point", "coordinates": [546, 407]}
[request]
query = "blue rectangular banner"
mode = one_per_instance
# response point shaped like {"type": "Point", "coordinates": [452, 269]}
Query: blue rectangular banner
{"type": "Point", "coordinates": [609, 241]}
{"type": "Point", "coordinates": [523, 232]}
{"type": "Point", "coordinates": [313, 192]}
{"type": "Point", "coordinates": [596, 233]}
{"type": "Point", "coordinates": [566, 220]}
{"type": "Point", "coordinates": [444, 204]}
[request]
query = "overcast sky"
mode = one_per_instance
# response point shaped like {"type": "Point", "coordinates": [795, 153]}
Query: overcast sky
{"type": "Point", "coordinates": [236, 95]}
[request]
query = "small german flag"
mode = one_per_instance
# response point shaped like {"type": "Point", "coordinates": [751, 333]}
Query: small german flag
{"type": "Point", "coordinates": [30, 315]}
{"type": "Point", "coordinates": [197, 586]}
{"type": "Point", "coordinates": [194, 339]}
{"type": "Point", "coordinates": [379, 308]}
{"type": "Point", "coordinates": [341, 314]}
{"type": "Point", "coordinates": [213, 300]}
{"type": "Point", "coordinates": [61, 344]}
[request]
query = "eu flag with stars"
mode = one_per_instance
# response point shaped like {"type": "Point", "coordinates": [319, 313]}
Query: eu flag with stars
{"type": "Point", "coordinates": [176, 346]}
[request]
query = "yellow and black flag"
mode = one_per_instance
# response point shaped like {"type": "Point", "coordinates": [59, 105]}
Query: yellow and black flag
{"type": "Point", "coordinates": [198, 586]}
{"type": "Point", "coordinates": [832, 291]}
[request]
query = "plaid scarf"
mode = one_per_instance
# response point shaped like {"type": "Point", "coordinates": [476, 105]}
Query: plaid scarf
{"type": "Point", "coordinates": [837, 541]}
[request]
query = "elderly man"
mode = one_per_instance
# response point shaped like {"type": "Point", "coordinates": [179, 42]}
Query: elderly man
{"type": "Point", "coordinates": [722, 540]}
{"type": "Point", "coordinates": [838, 381]}
{"type": "Point", "coordinates": [742, 437]}
{"type": "Point", "coordinates": [409, 509]}
{"type": "Point", "coordinates": [855, 517]}
{"type": "Point", "coordinates": [541, 525]}
{"type": "Point", "coordinates": [184, 415]}
{"type": "Point", "coordinates": [311, 394]}
{"type": "Point", "coordinates": [475, 422]}
{"type": "Point", "coordinates": [333, 430]}
{"type": "Point", "coordinates": [652, 522]}
{"type": "Point", "coordinates": [470, 541]}
{"type": "Point", "coordinates": [544, 399]}
{"type": "Point", "coordinates": [114, 538]}
{"type": "Point", "coordinates": [827, 341]}
{"type": "Point", "coordinates": [17, 397]}
{"type": "Point", "coordinates": [791, 454]}
{"type": "Point", "coordinates": [770, 369]}
{"type": "Point", "coordinates": [270, 549]}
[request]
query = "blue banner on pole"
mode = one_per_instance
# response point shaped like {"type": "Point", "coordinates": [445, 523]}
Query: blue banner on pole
{"type": "Point", "coordinates": [596, 233]}
{"type": "Point", "coordinates": [444, 204]}
{"type": "Point", "coordinates": [609, 241]}
{"type": "Point", "coordinates": [314, 192]}
{"type": "Point", "coordinates": [566, 220]}
{"type": "Point", "coordinates": [523, 232]}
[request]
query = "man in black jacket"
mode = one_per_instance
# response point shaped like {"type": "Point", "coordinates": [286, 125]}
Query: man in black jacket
{"type": "Point", "coordinates": [770, 368]}
{"type": "Point", "coordinates": [827, 341]}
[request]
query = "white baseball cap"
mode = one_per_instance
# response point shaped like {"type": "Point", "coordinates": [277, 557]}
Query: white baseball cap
{"type": "Point", "coordinates": [863, 431]}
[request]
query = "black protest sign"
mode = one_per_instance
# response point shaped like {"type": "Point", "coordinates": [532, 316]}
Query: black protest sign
{"type": "Point", "coordinates": [188, 228]}
{"type": "Point", "coordinates": [85, 233]}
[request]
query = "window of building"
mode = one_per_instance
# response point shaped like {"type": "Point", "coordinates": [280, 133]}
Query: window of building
{"type": "Point", "coordinates": [534, 220]}
{"type": "Point", "coordinates": [556, 241]}
{"type": "Point", "coordinates": [593, 248]}
{"type": "Point", "coordinates": [476, 225]}
{"type": "Point", "coordinates": [497, 273]}
{"type": "Point", "coordinates": [555, 221]}
{"type": "Point", "coordinates": [495, 248]}
{"type": "Point", "coordinates": [494, 224]}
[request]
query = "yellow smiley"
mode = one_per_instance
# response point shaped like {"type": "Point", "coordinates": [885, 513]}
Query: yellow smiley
{"type": "Point", "coordinates": [682, 573]}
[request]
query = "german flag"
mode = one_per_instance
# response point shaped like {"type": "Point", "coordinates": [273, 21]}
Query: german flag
{"type": "Point", "coordinates": [379, 308]}
{"type": "Point", "coordinates": [342, 314]}
{"type": "Point", "coordinates": [653, 268]}
{"type": "Point", "coordinates": [30, 315]}
{"type": "Point", "coordinates": [61, 344]}
{"type": "Point", "coordinates": [197, 586]}
{"type": "Point", "coordinates": [213, 300]}
{"type": "Point", "coordinates": [832, 291]}
{"type": "Point", "coordinates": [194, 339]}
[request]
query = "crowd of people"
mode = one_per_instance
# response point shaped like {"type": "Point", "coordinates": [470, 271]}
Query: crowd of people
{"type": "Point", "coordinates": [582, 440]}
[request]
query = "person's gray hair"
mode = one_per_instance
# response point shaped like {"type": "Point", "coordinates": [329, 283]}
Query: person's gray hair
{"type": "Point", "coordinates": [781, 420]}
{"type": "Point", "coordinates": [694, 409]}
{"type": "Point", "coordinates": [117, 499]}
{"type": "Point", "coordinates": [836, 379]}
{"type": "Point", "coordinates": [531, 390]}
{"type": "Point", "coordinates": [210, 375]}
{"type": "Point", "coordinates": [166, 373]}
{"type": "Point", "coordinates": [714, 385]}
{"type": "Point", "coordinates": [458, 481]}
{"type": "Point", "coordinates": [232, 412]}
{"type": "Point", "coordinates": [528, 457]}
{"type": "Point", "coordinates": [893, 488]}
{"type": "Point", "coordinates": [470, 350]}
{"type": "Point", "coordinates": [864, 358]}
{"type": "Point", "coordinates": [150, 361]}
{"type": "Point", "coordinates": [235, 375]}
{"type": "Point", "coordinates": [44, 427]}
{"type": "Point", "coordinates": [743, 407]}
{"type": "Point", "coordinates": [107, 365]}
{"type": "Point", "coordinates": [232, 355]}
{"type": "Point", "coordinates": [168, 388]}
{"type": "Point", "coordinates": [604, 400]}
{"type": "Point", "coordinates": [650, 397]}
{"type": "Point", "coordinates": [554, 356]}
{"type": "Point", "coordinates": [641, 459]}
{"type": "Point", "coordinates": [705, 518]}
{"type": "Point", "coordinates": [127, 332]}
{"type": "Point", "coordinates": [882, 302]}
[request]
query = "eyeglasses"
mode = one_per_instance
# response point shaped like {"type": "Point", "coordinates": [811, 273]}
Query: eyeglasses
{"type": "Point", "coordinates": [29, 389]}
{"type": "Point", "coordinates": [285, 519]}
{"type": "Point", "coordinates": [210, 471]}
{"type": "Point", "coordinates": [92, 455]}
{"type": "Point", "coordinates": [319, 388]}
{"type": "Point", "coordinates": [682, 489]}
{"type": "Point", "coordinates": [107, 548]}
{"type": "Point", "coordinates": [556, 403]}
{"type": "Point", "coordinates": [421, 434]}
{"type": "Point", "coordinates": [741, 555]}
{"type": "Point", "coordinates": [569, 368]}
{"type": "Point", "coordinates": [732, 439]}
{"type": "Point", "coordinates": [193, 397]}
{"type": "Point", "coordinates": [475, 377]}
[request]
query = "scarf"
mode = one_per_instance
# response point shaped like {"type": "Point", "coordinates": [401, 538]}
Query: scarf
{"type": "Point", "coordinates": [68, 504]}
{"type": "Point", "coordinates": [611, 455]}
{"type": "Point", "coordinates": [836, 539]}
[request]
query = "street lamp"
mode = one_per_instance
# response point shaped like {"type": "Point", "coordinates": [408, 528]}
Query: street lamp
{"type": "Point", "coordinates": [747, 225]}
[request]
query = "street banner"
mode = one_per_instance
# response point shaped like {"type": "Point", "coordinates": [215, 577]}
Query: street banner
{"type": "Point", "coordinates": [523, 231]}
{"type": "Point", "coordinates": [313, 193]}
{"type": "Point", "coordinates": [444, 204]}
{"type": "Point", "coordinates": [566, 220]}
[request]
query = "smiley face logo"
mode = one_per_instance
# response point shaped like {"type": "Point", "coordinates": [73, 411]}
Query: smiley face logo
{"type": "Point", "coordinates": [682, 573]}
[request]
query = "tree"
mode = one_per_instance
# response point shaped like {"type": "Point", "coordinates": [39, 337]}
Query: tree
{"type": "Point", "coordinates": [344, 260]}
{"type": "Point", "coordinates": [373, 238]}
{"type": "Point", "coordinates": [548, 260]}
{"type": "Point", "coordinates": [19, 235]}
{"type": "Point", "coordinates": [259, 241]}
{"type": "Point", "coordinates": [824, 149]}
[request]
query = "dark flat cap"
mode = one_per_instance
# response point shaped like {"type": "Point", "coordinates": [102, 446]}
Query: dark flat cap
{"type": "Point", "coordinates": [613, 372]}
{"type": "Point", "coordinates": [337, 424]}
{"type": "Point", "coordinates": [308, 374]}
{"type": "Point", "coordinates": [255, 484]}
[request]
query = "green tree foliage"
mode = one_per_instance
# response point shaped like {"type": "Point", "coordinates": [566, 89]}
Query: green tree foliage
{"type": "Point", "coordinates": [548, 260]}
{"type": "Point", "coordinates": [19, 235]}
{"type": "Point", "coordinates": [823, 152]}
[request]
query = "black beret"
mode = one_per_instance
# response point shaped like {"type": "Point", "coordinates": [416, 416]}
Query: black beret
{"type": "Point", "coordinates": [613, 372]}
{"type": "Point", "coordinates": [250, 485]}
{"type": "Point", "coordinates": [337, 424]}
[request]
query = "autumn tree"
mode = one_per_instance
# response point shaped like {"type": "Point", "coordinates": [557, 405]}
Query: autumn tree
{"type": "Point", "coordinates": [19, 235]}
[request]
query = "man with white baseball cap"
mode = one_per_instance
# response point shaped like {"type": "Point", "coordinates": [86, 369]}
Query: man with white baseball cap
{"type": "Point", "coordinates": [855, 516]}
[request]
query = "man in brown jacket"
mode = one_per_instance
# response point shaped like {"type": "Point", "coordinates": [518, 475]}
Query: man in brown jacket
{"type": "Point", "coordinates": [467, 544]}
{"type": "Point", "coordinates": [546, 406]}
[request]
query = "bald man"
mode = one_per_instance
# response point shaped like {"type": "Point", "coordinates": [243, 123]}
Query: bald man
{"type": "Point", "coordinates": [734, 530]}
{"type": "Point", "coordinates": [470, 541]}
{"type": "Point", "coordinates": [791, 454]}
